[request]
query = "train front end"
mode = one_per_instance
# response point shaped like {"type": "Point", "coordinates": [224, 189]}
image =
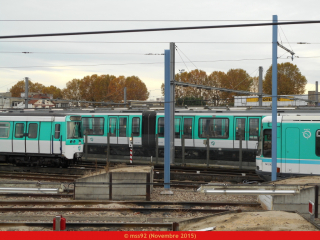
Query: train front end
{"type": "Point", "coordinates": [264, 156]}
{"type": "Point", "coordinates": [74, 138]}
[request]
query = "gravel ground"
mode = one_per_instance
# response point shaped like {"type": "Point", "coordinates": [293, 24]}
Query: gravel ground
{"type": "Point", "coordinates": [178, 195]}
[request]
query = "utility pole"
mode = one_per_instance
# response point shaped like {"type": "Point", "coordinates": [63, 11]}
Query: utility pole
{"type": "Point", "coordinates": [172, 100]}
{"type": "Point", "coordinates": [316, 97]}
{"type": "Point", "coordinates": [274, 98]}
{"type": "Point", "coordinates": [26, 93]}
{"type": "Point", "coordinates": [260, 86]}
{"type": "Point", "coordinates": [125, 95]}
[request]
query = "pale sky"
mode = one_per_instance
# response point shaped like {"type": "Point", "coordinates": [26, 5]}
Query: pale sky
{"type": "Point", "coordinates": [57, 60]}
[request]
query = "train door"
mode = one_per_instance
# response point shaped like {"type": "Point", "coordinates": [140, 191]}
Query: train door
{"type": "Point", "coordinates": [113, 130]}
{"type": "Point", "coordinates": [177, 131]}
{"type": "Point", "coordinates": [45, 137]}
{"type": "Point", "coordinates": [19, 137]}
{"type": "Point", "coordinates": [136, 130]}
{"type": "Point", "coordinates": [253, 133]}
{"type": "Point", "coordinates": [187, 131]}
{"type": "Point", "coordinates": [292, 150]}
{"type": "Point", "coordinates": [56, 139]}
{"type": "Point", "coordinates": [32, 137]}
{"type": "Point", "coordinates": [123, 130]}
{"type": "Point", "coordinates": [240, 129]}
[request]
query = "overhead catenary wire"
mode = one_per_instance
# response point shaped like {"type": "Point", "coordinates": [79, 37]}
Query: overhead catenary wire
{"type": "Point", "coordinates": [160, 29]}
{"type": "Point", "coordinates": [140, 20]}
{"type": "Point", "coordinates": [145, 63]}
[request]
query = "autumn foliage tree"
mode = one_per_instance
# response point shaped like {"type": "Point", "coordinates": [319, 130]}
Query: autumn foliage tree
{"type": "Point", "coordinates": [19, 88]}
{"type": "Point", "coordinates": [290, 80]}
{"type": "Point", "coordinates": [105, 88]}
{"type": "Point", "coordinates": [237, 79]}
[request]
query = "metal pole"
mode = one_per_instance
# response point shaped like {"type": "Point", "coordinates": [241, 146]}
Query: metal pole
{"type": "Point", "coordinates": [26, 93]}
{"type": "Point", "coordinates": [108, 147]}
{"type": "Point", "coordinates": [86, 147]}
{"type": "Point", "coordinates": [274, 97]}
{"type": "Point", "coordinates": [208, 150]}
{"type": "Point", "coordinates": [316, 200]}
{"type": "Point", "coordinates": [260, 86]}
{"type": "Point", "coordinates": [157, 148]}
{"type": "Point", "coordinates": [125, 95]}
{"type": "Point", "coordinates": [317, 97]}
{"type": "Point", "coordinates": [240, 150]}
{"type": "Point", "coordinates": [58, 223]}
{"type": "Point", "coordinates": [182, 148]}
{"type": "Point", "coordinates": [172, 99]}
{"type": "Point", "coordinates": [167, 119]}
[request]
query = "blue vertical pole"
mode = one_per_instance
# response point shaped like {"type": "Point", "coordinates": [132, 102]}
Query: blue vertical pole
{"type": "Point", "coordinates": [167, 125]}
{"type": "Point", "coordinates": [274, 97]}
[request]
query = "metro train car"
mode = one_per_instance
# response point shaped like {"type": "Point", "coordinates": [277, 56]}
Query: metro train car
{"type": "Point", "coordinates": [298, 147]}
{"type": "Point", "coordinates": [222, 127]}
{"type": "Point", "coordinates": [36, 139]}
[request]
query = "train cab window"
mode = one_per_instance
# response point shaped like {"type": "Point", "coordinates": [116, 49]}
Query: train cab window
{"type": "Point", "coordinates": [93, 125]}
{"type": "Point", "coordinates": [113, 127]}
{"type": "Point", "coordinates": [33, 130]}
{"type": "Point", "coordinates": [254, 129]}
{"type": "Point", "coordinates": [136, 127]}
{"type": "Point", "coordinates": [19, 131]}
{"type": "Point", "coordinates": [161, 127]}
{"type": "Point", "coordinates": [74, 130]}
{"type": "Point", "coordinates": [318, 143]}
{"type": "Point", "coordinates": [177, 122]}
{"type": "Point", "coordinates": [267, 142]}
{"type": "Point", "coordinates": [57, 131]}
{"type": "Point", "coordinates": [187, 128]}
{"type": "Point", "coordinates": [123, 127]}
{"type": "Point", "coordinates": [240, 128]}
{"type": "Point", "coordinates": [4, 130]}
{"type": "Point", "coordinates": [214, 127]}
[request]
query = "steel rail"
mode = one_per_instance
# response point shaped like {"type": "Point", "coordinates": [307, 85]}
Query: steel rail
{"type": "Point", "coordinates": [36, 195]}
{"type": "Point", "coordinates": [85, 209]}
{"type": "Point", "coordinates": [140, 203]}
{"type": "Point", "coordinates": [8, 176]}
{"type": "Point", "coordinates": [172, 226]}
{"type": "Point", "coordinates": [40, 174]}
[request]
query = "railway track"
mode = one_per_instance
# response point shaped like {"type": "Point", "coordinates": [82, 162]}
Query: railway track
{"type": "Point", "coordinates": [199, 175]}
{"type": "Point", "coordinates": [112, 226]}
{"type": "Point", "coordinates": [138, 203]}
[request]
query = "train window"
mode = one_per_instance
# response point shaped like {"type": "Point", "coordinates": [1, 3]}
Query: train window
{"type": "Point", "coordinates": [187, 128]}
{"type": "Point", "coordinates": [267, 143]}
{"type": "Point", "coordinates": [57, 131]}
{"type": "Point", "coordinates": [33, 130]}
{"type": "Point", "coordinates": [240, 128]}
{"type": "Point", "coordinates": [4, 130]}
{"type": "Point", "coordinates": [113, 127]}
{"type": "Point", "coordinates": [136, 127]}
{"type": "Point", "coordinates": [318, 143]}
{"type": "Point", "coordinates": [214, 127]}
{"type": "Point", "coordinates": [74, 130]}
{"type": "Point", "coordinates": [254, 129]}
{"type": "Point", "coordinates": [19, 133]}
{"type": "Point", "coordinates": [123, 127]}
{"type": "Point", "coordinates": [93, 126]}
{"type": "Point", "coordinates": [177, 127]}
{"type": "Point", "coordinates": [161, 127]}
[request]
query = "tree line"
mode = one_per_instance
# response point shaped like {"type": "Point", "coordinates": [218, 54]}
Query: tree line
{"type": "Point", "coordinates": [290, 82]}
{"type": "Point", "coordinates": [109, 88]}
{"type": "Point", "coordinates": [95, 88]}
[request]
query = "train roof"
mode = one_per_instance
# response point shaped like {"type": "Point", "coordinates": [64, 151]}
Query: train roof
{"type": "Point", "coordinates": [36, 113]}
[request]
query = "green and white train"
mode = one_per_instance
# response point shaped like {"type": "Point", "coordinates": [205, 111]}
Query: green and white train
{"type": "Point", "coordinates": [37, 139]}
{"type": "Point", "coordinates": [298, 146]}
